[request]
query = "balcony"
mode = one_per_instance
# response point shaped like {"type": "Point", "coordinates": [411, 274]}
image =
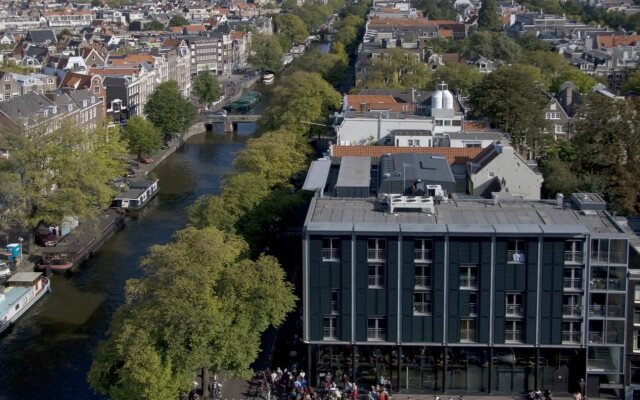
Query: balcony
{"type": "Point", "coordinates": [573, 257]}
{"type": "Point", "coordinates": [598, 337]}
{"type": "Point", "coordinates": [606, 284]}
{"type": "Point", "coordinates": [572, 311]}
{"type": "Point", "coordinates": [423, 255]}
{"type": "Point", "coordinates": [513, 335]}
{"type": "Point", "coordinates": [423, 281]}
{"type": "Point", "coordinates": [330, 254]}
{"type": "Point", "coordinates": [515, 310]}
{"type": "Point", "coordinates": [608, 257]}
{"type": "Point", "coordinates": [376, 334]}
{"type": "Point", "coordinates": [375, 254]}
{"type": "Point", "coordinates": [608, 311]}
{"type": "Point", "coordinates": [515, 257]}
{"type": "Point", "coordinates": [330, 332]}
{"type": "Point", "coordinates": [570, 337]}
{"type": "Point", "coordinates": [572, 283]}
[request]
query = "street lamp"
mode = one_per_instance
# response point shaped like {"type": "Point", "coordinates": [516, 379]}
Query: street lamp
{"type": "Point", "coordinates": [404, 183]}
{"type": "Point", "coordinates": [20, 240]}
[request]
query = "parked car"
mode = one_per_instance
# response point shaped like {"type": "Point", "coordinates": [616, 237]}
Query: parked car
{"type": "Point", "coordinates": [146, 160]}
{"type": "Point", "coordinates": [5, 272]}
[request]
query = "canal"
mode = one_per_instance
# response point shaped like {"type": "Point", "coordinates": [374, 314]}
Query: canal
{"type": "Point", "coordinates": [48, 353]}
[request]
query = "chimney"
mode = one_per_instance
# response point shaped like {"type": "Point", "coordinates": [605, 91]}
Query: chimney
{"type": "Point", "coordinates": [363, 106]}
{"type": "Point", "coordinates": [559, 200]}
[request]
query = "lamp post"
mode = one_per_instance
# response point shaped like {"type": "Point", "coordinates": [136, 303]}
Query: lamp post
{"type": "Point", "coordinates": [20, 240]}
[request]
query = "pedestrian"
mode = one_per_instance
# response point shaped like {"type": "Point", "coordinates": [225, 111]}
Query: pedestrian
{"type": "Point", "coordinates": [582, 385]}
{"type": "Point", "coordinates": [577, 396]}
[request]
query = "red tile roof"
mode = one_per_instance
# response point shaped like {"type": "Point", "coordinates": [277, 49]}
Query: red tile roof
{"type": "Point", "coordinates": [455, 155]}
{"type": "Point", "coordinates": [610, 41]}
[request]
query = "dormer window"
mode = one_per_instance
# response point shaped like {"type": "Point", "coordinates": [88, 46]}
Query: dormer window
{"type": "Point", "coordinates": [7, 78]}
{"type": "Point", "coordinates": [93, 99]}
{"type": "Point", "coordinates": [70, 107]}
{"type": "Point", "coordinates": [84, 103]}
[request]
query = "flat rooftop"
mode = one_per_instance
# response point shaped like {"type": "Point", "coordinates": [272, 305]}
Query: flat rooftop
{"type": "Point", "coordinates": [458, 215]}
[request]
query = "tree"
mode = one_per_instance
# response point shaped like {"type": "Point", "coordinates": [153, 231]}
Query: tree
{"type": "Point", "coordinates": [50, 175]}
{"type": "Point", "coordinates": [266, 53]}
{"type": "Point", "coordinates": [168, 110]}
{"type": "Point", "coordinates": [142, 136]}
{"type": "Point", "coordinates": [178, 20]}
{"type": "Point", "coordinates": [438, 9]}
{"type": "Point", "coordinates": [201, 303]}
{"type": "Point", "coordinates": [516, 109]}
{"type": "Point", "coordinates": [64, 32]}
{"type": "Point", "coordinates": [495, 46]}
{"type": "Point", "coordinates": [632, 81]}
{"type": "Point", "coordinates": [305, 98]}
{"type": "Point", "coordinates": [584, 83]}
{"type": "Point", "coordinates": [206, 87]}
{"type": "Point", "coordinates": [558, 176]}
{"type": "Point", "coordinates": [460, 77]}
{"type": "Point", "coordinates": [332, 66]}
{"type": "Point", "coordinates": [154, 25]}
{"type": "Point", "coordinates": [291, 29]}
{"type": "Point", "coordinates": [398, 69]}
{"type": "Point", "coordinates": [488, 19]}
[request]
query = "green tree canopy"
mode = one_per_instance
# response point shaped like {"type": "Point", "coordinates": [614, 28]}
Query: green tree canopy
{"type": "Point", "coordinates": [398, 69]}
{"type": "Point", "coordinates": [488, 17]}
{"type": "Point", "coordinates": [142, 136]}
{"type": "Point", "coordinates": [79, 164]}
{"type": "Point", "coordinates": [495, 46]}
{"type": "Point", "coordinates": [168, 110]}
{"type": "Point", "coordinates": [201, 303]}
{"type": "Point", "coordinates": [154, 25]}
{"type": "Point", "coordinates": [459, 77]}
{"type": "Point", "coordinates": [206, 87]}
{"type": "Point", "coordinates": [584, 83]}
{"type": "Point", "coordinates": [437, 9]}
{"type": "Point", "coordinates": [305, 98]}
{"type": "Point", "coordinates": [516, 109]}
{"type": "Point", "coordinates": [178, 20]}
{"type": "Point", "coordinates": [632, 82]}
{"type": "Point", "coordinates": [266, 53]}
{"type": "Point", "coordinates": [291, 29]}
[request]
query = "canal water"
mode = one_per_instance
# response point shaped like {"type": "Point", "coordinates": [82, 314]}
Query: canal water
{"type": "Point", "coordinates": [48, 353]}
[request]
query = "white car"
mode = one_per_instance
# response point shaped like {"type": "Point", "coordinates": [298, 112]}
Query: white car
{"type": "Point", "coordinates": [5, 272]}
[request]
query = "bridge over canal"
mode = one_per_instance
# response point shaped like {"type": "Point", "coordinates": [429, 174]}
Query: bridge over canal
{"type": "Point", "coordinates": [230, 121]}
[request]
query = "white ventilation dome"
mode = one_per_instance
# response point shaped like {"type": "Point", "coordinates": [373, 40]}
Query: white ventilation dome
{"type": "Point", "coordinates": [448, 100]}
{"type": "Point", "coordinates": [437, 99]}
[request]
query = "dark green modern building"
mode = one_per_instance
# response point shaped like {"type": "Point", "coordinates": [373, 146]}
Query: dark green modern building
{"type": "Point", "coordinates": [457, 294]}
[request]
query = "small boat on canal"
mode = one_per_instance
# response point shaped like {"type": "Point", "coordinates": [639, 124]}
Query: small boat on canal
{"type": "Point", "coordinates": [268, 77]}
{"type": "Point", "coordinates": [23, 290]}
{"type": "Point", "coordinates": [139, 195]}
{"type": "Point", "coordinates": [244, 103]}
{"type": "Point", "coordinates": [80, 244]}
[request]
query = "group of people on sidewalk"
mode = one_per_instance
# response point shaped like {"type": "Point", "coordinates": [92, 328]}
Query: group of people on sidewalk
{"type": "Point", "coordinates": [291, 385]}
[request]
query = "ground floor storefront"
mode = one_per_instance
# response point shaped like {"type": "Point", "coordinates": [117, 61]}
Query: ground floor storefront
{"type": "Point", "coordinates": [442, 369]}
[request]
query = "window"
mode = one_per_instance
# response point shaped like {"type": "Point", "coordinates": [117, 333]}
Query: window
{"type": "Point", "coordinates": [421, 303]}
{"type": "Point", "coordinates": [376, 328]}
{"type": "Point", "coordinates": [96, 89]}
{"type": "Point", "coordinates": [573, 252]}
{"type": "Point", "coordinates": [468, 330]}
{"type": "Point", "coordinates": [513, 331]}
{"type": "Point", "coordinates": [514, 305]}
{"type": "Point", "coordinates": [573, 279]}
{"type": "Point", "coordinates": [7, 86]}
{"type": "Point", "coordinates": [572, 305]}
{"type": "Point", "coordinates": [330, 327]}
{"type": "Point", "coordinates": [571, 332]}
{"type": "Point", "coordinates": [636, 317]}
{"type": "Point", "coordinates": [552, 115]}
{"type": "Point", "coordinates": [423, 276]}
{"type": "Point", "coordinates": [335, 301]}
{"type": "Point", "coordinates": [468, 277]}
{"type": "Point", "coordinates": [559, 129]}
{"type": "Point", "coordinates": [515, 251]}
{"type": "Point", "coordinates": [376, 249]}
{"type": "Point", "coordinates": [636, 293]}
{"type": "Point", "coordinates": [473, 303]}
{"type": "Point", "coordinates": [376, 276]}
{"type": "Point", "coordinates": [423, 250]}
{"type": "Point", "coordinates": [636, 340]}
{"type": "Point", "coordinates": [330, 249]}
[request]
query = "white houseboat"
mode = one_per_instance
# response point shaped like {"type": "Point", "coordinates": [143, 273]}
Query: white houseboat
{"type": "Point", "coordinates": [138, 195]}
{"type": "Point", "coordinates": [23, 290]}
{"type": "Point", "coordinates": [268, 77]}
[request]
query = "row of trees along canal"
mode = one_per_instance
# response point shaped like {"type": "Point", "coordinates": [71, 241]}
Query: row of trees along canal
{"type": "Point", "coordinates": [601, 154]}
{"type": "Point", "coordinates": [207, 296]}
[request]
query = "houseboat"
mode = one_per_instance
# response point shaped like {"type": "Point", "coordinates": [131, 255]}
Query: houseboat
{"type": "Point", "coordinates": [23, 290]}
{"type": "Point", "coordinates": [139, 194]}
{"type": "Point", "coordinates": [268, 77]}
{"type": "Point", "coordinates": [297, 50]}
{"type": "Point", "coordinates": [244, 103]}
{"type": "Point", "coordinates": [78, 245]}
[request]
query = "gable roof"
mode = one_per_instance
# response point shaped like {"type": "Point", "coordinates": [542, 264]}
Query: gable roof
{"type": "Point", "coordinates": [454, 155]}
{"type": "Point", "coordinates": [42, 36]}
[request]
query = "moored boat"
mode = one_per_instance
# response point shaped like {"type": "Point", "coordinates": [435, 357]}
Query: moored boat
{"type": "Point", "coordinates": [76, 247]}
{"type": "Point", "coordinates": [139, 194]}
{"type": "Point", "coordinates": [244, 103]}
{"type": "Point", "coordinates": [23, 290]}
{"type": "Point", "coordinates": [268, 77]}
